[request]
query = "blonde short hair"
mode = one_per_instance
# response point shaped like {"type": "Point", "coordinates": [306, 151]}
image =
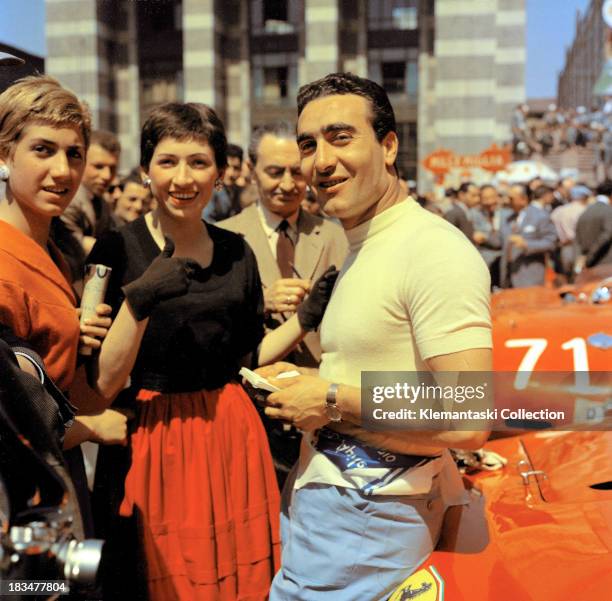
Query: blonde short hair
{"type": "Point", "coordinates": [39, 99]}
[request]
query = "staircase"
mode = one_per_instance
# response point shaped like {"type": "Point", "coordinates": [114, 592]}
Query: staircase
{"type": "Point", "coordinates": [578, 157]}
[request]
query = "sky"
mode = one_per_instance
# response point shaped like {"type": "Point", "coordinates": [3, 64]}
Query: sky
{"type": "Point", "coordinates": [22, 24]}
{"type": "Point", "coordinates": [551, 25]}
{"type": "Point", "coordinates": [550, 29]}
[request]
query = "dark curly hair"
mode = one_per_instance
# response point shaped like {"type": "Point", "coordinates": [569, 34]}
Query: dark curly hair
{"type": "Point", "coordinates": [383, 117]}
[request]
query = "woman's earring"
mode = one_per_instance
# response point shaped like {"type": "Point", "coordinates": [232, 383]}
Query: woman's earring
{"type": "Point", "coordinates": [218, 185]}
{"type": "Point", "coordinates": [146, 181]}
{"type": "Point", "coordinates": [4, 173]}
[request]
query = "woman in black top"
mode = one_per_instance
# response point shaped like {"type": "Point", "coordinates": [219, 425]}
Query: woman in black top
{"type": "Point", "coordinates": [201, 478]}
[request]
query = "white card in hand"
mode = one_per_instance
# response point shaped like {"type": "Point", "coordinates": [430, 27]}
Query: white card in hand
{"type": "Point", "coordinates": [257, 381]}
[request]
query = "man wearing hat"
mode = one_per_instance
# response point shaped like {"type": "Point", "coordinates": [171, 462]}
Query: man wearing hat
{"type": "Point", "coordinates": [565, 219]}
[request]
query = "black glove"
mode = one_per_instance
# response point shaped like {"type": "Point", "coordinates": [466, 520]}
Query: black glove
{"type": "Point", "coordinates": [165, 278]}
{"type": "Point", "coordinates": [311, 311]}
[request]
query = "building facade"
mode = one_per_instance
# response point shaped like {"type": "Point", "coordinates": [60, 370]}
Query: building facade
{"type": "Point", "coordinates": [453, 70]}
{"type": "Point", "coordinates": [584, 59]}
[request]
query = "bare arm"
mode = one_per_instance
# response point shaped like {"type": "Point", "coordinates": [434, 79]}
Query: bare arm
{"type": "Point", "coordinates": [277, 343]}
{"type": "Point", "coordinates": [164, 279]}
{"type": "Point", "coordinates": [309, 314]}
{"type": "Point", "coordinates": [118, 353]}
{"type": "Point", "coordinates": [108, 427]}
{"type": "Point", "coordinates": [302, 401]}
{"type": "Point", "coordinates": [349, 402]}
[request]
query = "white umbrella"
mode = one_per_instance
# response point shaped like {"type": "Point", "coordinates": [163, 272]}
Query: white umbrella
{"type": "Point", "coordinates": [521, 172]}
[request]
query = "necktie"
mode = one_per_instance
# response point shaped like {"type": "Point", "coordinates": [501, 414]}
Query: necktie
{"type": "Point", "coordinates": [285, 251]}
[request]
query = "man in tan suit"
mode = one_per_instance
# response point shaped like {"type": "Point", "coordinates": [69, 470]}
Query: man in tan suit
{"type": "Point", "coordinates": [292, 247]}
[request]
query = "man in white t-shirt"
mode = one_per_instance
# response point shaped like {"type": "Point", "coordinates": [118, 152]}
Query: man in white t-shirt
{"type": "Point", "coordinates": [412, 295]}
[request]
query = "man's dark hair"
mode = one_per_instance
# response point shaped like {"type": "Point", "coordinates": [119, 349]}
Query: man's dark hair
{"type": "Point", "coordinates": [235, 152]}
{"type": "Point", "coordinates": [541, 192]}
{"type": "Point", "coordinates": [183, 121]}
{"type": "Point", "coordinates": [133, 177]}
{"type": "Point", "coordinates": [383, 118]}
{"type": "Point", "coordinates": [464, 187]}
{"type": "Point", "coordinates": [450, 192]}
{"type": "Point", "coordinates": [106, 140]}
{"type": "Point", "coordinates": [279, 129]}
{"type": "Point", "coordinates": [605, 188]}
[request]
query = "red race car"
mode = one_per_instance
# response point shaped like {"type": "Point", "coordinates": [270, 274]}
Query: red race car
{"type": "Point", "coordinates": [540, 529]}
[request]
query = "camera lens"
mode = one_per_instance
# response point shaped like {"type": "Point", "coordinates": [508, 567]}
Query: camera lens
{"type": "Point", "coordinates": [80, 560]}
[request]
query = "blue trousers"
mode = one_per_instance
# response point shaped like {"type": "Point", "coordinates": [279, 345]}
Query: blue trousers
{"type": "Point", "coordinates": [340, 545]}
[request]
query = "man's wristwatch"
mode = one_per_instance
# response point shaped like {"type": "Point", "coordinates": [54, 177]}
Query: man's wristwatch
{"type": "Point", "coordinates": [333, 413]}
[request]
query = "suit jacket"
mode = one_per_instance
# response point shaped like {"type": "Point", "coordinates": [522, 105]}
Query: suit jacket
{"type": "Point", "coordinates": [521, 268]}
{"type": "Point", "coordinates": [320, 243]}
{"type": "Point", "coordinates": [460, 219]}
{"type": "Point", "coordinates": [87, 215]}
{"type": "Point", "coordinates": [594, 234]}
{"type": "Point", "coordinates": [491, 248]}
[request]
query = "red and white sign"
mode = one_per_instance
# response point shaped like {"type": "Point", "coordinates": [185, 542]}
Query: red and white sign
{"type": "Point", "coordinates": [442, 161]}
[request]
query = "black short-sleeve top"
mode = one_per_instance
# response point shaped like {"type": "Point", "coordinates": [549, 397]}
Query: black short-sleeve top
{"type": "Point", "coordinates": [195, 341]}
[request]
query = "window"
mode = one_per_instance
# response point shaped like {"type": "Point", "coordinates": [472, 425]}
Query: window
{"type": "Point", "coordinates": [275, 85]}
{"type": "Point", "coordinates": [407, 154]}
{"type": "Point", "coordinates": [393, 14]}
{"type": "Point", "coordinates": [163, 16]}
{"type": "Point", "coordinates": [404, 17]}
{"type": "Point", "coordinates": [276, 17]}
{"type": "Point", "coordinates": [412, 81]}
{"type": "Point", "coordinates": [160, 89]}
{"type": "Point", "coordinates": [400, 77]}
{"type": "Point", "coordinates": [275, 10]}
{"type": "Point", "coordinates": [393, 76]}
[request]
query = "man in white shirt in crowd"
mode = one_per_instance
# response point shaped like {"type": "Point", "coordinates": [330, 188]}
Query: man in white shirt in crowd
{"type": "Point", "coordinates": [413, 294]}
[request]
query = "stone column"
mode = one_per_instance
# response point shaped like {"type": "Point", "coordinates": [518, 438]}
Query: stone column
{"type": "Point", "coordinates": [200, 60]}
{"type": "Point", "coordinates": [321, 39]}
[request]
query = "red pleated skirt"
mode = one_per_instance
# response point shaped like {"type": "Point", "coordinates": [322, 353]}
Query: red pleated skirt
{"type": "Point", "coordinates": [203, 487]}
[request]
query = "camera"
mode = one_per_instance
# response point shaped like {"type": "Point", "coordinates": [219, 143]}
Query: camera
{"type": "Point", "coordinates": [45, 549]}
{"type": "Point", "coordinates": [39, 515]}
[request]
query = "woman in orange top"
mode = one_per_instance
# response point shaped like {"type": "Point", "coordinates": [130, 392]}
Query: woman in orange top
{"type": "Point", "coordinates": [44, 135]}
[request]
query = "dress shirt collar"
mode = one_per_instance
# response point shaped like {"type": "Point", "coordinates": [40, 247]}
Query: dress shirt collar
{"type": "Point", "coordinates": [270, 221]}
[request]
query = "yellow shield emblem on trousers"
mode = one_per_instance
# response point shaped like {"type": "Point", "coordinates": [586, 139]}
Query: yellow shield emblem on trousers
{"type": "Point", "coordinates": [424, 585]}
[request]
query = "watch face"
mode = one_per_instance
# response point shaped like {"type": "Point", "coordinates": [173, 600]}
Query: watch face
{"type": "Point", "coordinates": [334, 413]}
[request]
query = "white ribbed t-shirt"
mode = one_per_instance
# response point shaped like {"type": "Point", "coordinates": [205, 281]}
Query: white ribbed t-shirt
{"type": "Point", "coordinates": [412, 287]}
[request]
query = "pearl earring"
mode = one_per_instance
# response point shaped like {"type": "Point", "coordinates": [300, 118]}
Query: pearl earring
{"type": "Point", "coordinates": [146, 181]}
{"type": "Point", "coordinates": [4, 172]}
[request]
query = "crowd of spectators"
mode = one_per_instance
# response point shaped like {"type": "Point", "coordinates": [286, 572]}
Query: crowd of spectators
{"type": "Point", "coordinates": [560, 129]}
{"type": "Point", "coordinates": [524, 231]}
